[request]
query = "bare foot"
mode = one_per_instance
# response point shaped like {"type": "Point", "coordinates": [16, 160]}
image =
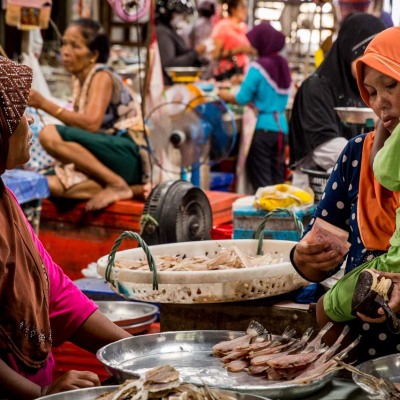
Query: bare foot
{"type": "Point", "coordinates": [107, 196]}
{"type": "Point", "coordinates": [141, 191]}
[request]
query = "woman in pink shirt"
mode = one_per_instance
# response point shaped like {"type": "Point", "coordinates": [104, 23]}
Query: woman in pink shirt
{"type": "Point", "coordinates": [230, 40]}
{"type": "Point", "coordinates": [40, 307]}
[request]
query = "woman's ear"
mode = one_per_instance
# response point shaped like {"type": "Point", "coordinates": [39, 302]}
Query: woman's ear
{"type": "Point", "coordinates": [94, 56]}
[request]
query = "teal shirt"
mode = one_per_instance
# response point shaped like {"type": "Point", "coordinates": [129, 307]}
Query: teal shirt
{"type": "Point", "coordinates": [258, 88]}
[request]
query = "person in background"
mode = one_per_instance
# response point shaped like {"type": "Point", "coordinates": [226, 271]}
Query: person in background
{"type": "Point", "coordinates": [174, 52]}
{"type": "Point", "coordinates": [94, 139]}
{"type": "Point", "coordinates": [316, 135]}
{"type": "Point", "coordinates": [373, 7]}
{"type": "Point", "coordinates": [40, 306]}
{"type": "Point", "coordinates": [347, 7]}
{"type": "Point", "coordinates": [199, 33]}
{"type": "Point", "coordinates": [266, 86]}
{"type": "Point", "coordinates": [376, 8]}
{"type": "Point", "coordinates": [231, 45]}
{"type": "Point", "coordinates": [356, 202]}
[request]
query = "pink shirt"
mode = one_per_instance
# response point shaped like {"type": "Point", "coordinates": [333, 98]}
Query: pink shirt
{"type": "Point", "coordinates": [232, 35]}
{"type": "Point", "coordinates": [69, 309]}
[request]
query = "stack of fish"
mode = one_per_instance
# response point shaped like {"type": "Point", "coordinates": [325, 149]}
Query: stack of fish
{"type": "Point", "coordinates": [282, 357]}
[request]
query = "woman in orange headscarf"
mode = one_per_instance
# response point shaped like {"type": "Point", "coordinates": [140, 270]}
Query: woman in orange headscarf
{"type": "Point", "coordinates": [355, 201]}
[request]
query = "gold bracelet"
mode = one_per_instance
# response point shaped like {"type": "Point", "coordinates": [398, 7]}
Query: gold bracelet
{"type": "Point", "coordinates": [59, 111]}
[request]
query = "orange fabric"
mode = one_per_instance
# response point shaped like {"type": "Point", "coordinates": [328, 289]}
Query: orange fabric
{"type": "Point", "coordinates": [376, 205]}
{"type": "Point", "coordinates": [381, 54]}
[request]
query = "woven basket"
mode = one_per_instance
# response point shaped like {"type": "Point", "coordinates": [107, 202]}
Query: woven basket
{"type": "Point", "coordinates": [204, 286]}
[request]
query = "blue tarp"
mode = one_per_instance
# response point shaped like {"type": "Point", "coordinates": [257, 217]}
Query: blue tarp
{"type": "Point", "coordinates": [26, 185]}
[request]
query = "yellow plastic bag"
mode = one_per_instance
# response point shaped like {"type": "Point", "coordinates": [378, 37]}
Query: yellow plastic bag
{"type": "Point", "coordinates": [282, 196]}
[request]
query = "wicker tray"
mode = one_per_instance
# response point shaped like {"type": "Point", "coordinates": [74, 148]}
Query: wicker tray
{"type": "Point", "coordinates": [204, 286]}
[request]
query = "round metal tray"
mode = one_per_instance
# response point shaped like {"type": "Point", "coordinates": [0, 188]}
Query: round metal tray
{"type": "Point", "coordinates": [139, 327]}
{"type": "Point", "coordinates": [386, 367]}
{"type": "Point", "coordinates": [92, 393]}
{"type": "Point", "coordinates": [355, 115]}
{"type": "Point", "coordinates": [190, 352]}
{"type": "Point", "coordinates": [126, 313]}
{"type": "Point", "coordinates": [80, 394]}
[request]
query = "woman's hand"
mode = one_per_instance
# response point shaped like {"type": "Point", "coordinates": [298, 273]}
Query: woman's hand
{"type": "Point", "coordinates": [200, 49]}
{"type": "Point", "coordinates": [315, 260]}
{"type": "Point", "coordinates": [381, 134]}
{"type": "Point", "coordinates": [36, 100]}
{"type": "Point", "coordinates": [72, 380]}
{"type": "Point", "coordinates": [394, 301]}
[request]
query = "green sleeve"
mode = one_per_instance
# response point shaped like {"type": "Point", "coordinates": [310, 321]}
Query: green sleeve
{"type": "Point", "coordinates": [387, 162]}
{"type": "Point", "coordinates": [338, 299]}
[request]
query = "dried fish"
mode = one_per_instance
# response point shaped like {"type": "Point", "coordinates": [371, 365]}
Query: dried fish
{"type": "Point", "coordinates": [254, 329]}
{"type": "Point", "coordinates": [224, 259]}
{"type": "Point", "coordinates": [284, 357]}
{"type": "Point", "coordinates": [163, 383]}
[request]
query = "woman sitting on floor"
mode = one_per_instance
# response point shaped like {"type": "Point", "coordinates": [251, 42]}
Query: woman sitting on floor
{"type": "Point", "coordinates": [94, 139]}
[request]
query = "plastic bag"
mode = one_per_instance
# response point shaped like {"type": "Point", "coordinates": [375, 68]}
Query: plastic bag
{"type": "Point", "coordinates": [40, 159]}
{"type": "Point", "coordinates": [282, 196]}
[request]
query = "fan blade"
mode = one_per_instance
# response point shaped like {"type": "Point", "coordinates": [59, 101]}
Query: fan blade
{"type": "Point", "coordinates": [219, 121]}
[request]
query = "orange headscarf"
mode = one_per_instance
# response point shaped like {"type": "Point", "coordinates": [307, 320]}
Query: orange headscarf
{"type": "Point", "coordinates": [377, 205]}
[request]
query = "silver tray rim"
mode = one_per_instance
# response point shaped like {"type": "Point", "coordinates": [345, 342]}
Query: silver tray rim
{"type": "Point", "coordinates": [370, 366]}
{"type": "Point", "coordinates": [77, 394]}
{"type": "Point", "coordinates": [273, 390]}
{"type": "Point", "coordinates": [149, 310]}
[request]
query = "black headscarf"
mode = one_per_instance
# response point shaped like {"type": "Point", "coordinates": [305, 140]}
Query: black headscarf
{"type": "Point", "coordinates": [356, 32]}
{"type": "Point", "coordinates": [314, 120]}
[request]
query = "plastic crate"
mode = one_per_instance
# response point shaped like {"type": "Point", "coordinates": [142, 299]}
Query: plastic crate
{"type": "Point", "coordinates": [221, 181]}
{"type": "Point", "coordinates": [318, 180]}
{"type": "Point", "coordinates": [246, 220]}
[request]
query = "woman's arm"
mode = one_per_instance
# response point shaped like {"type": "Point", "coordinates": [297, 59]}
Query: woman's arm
{"type": "Point", "coordinates": [15, 386]}
{"type": "Point", "coordinates": [99, 98]}
{"type": "Point", "coordinates": [96, 332]}
{"type": "Point", "coordinates": [227, 96]}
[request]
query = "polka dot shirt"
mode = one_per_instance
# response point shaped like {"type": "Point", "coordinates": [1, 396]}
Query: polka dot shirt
{"type": "Point", "coordinates": [339, 207]}
{"type": "Point", "coordinates": [338, 204]}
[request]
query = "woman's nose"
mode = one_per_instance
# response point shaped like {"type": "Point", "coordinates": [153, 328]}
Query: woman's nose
{"type": "Point", "coordinates": [382, 101]}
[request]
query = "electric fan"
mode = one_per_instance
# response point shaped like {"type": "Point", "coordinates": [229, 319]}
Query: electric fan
{"type": "Point", "coordinates": [132, 10]}
{"type": "Point", "coordinates": [201, 131]}
{"type": "Point", "coordinates": [176, 211]}
{"type": "Point", "coordinates": [186, 135]}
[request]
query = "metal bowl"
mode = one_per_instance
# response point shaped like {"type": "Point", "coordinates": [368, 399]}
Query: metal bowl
{"type": "Point", "coordinates": [92, 393]}
{"type": "Point", "coordinates": [81, 394]}
{"type": "Point", "coordinates": [190, 353]}
{"type": "Point", "coordinates": [356, 115]}
{"type": "Point", "coordinates": [134, 329]}
{"type": "Point", "coordinates": [127, 313]}
{"type": "Point", "coordinates": [386, 367]}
